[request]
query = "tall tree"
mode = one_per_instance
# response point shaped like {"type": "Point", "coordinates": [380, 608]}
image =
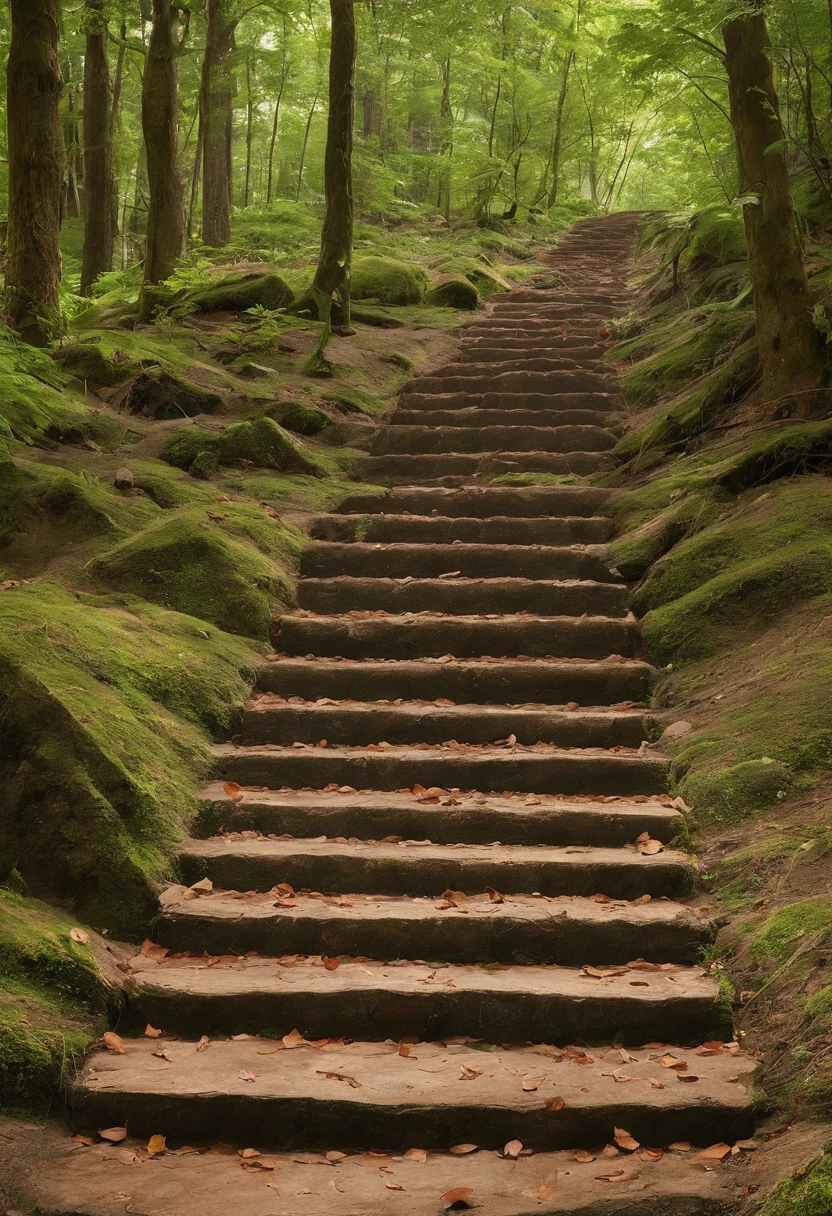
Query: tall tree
{"type": "Point", "coordinates": [789, 343]}
{"type": "Point", "coordinates": [36, 167]}
{"type": "Point", "coordinates": [98, 150]}
{"type": "Point", "coordinates": [216, 111]}
{"type": "Point", "coordinates": [160, 124]}
{"type": "Point", "coordinates": [332, 275]}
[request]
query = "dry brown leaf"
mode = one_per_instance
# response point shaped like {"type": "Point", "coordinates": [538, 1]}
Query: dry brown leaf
{"type": "Point", "coordinates": [686, 1076]}
{"type": "Point", "coordinates": [457, 1199]}
{"type": "Point", "coordinates": [113, 1042]}
{"type": "Point", "coordinates": [624, 1140]}
{"type": "Point", "coordinates": [150, 1032]}
{"type": "Point", "coordinates": [331, 964]}
{"type": "Point", "coordinates": [78, 935]}
{"type": "Point", "coordinates": [416, 1154]}
{"type": "Point", "coordinates": [494, 896]}
{"type": "Point", "coordinates": [334, 1156]}
{"type": "Point", "coordinates": [204, 1043]}
{"type": "Point", "coordinates": [293, 1039]}
{"type": "Point", "coordinates": [652, 1154]}
{"type": "Point", "coordinates": [113, 1135]}
{"type": "Point", "coordinates": [618, 1176]}
{"type": "Point", "coordinates": [530, 1084]}
{"type": "Point", "coordinates": [512, 1149]}
{"type": "Point", "coordinates": [156, 1145]}
{"type": "Point", "coordinates": [248, 1154]}
{"type": "Point", "coordinates": [394, 1186]}
{"type": "Point", "coordinates": [469, 1074]}
{"type": "Point", "coordinates": [583, 1157]}
{"type": "Point", "coordinates": [546, 1189]}
{"type": "Point", "coordinates": [716, 1152]}
{"type": "Point", "coordinates": [232, 789]}
{"type": "Point", "coordinates": [87, 1141]}
{"type": "Point", "coordinates": [673, 1062]}
{"type": "Point", "coordinates": [460, 1150]}
{"type": "Point", "coordinates": [681, 1146]}
{"type": "Point", "coordinates": [556, 1104]}
{"type": "Point", "coordinates": [338, 1076]}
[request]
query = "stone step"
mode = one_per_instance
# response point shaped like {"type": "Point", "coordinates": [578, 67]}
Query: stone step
{"type": "Point", "coordinates": [509, 351]}
{"type": "Point", "coordinates": [85, 1182]}
{"type": "Point", "coordinates": [604, 403]}
{"type": "Point", "coordinates": [530, 362]}
{"type": "Point", "coordinates": [476, 416]}
{"type": "Point", "coordinates": [542, 770]}
{"type": "Point", "coordinates": [511, 382]}
{"type": "Point", "coordinates": [482, 502]}
{"type": "Point", "coordinates": [569, 932]}
{"type": "Point", "coordinates": [445, 819]}
{"type": "Point", "coordinates": [578, 298]}
{"type": "Point", "coordinates": [407, 469]}
{"type": "Point", "coordinates": [507, 682]}
{"type": "Point", "coordinates": [552, 311]}
{"type": "Point", "coordinates": [445, 529]}
{"type": "Point", "coordinates": [265, 721]}
{"type": "Point", "coordinates": [412, 1000]}
{"type": "Point", "coordinates": [368, 868]}
{"type": "Point", "coordinates": [360, 1095]}
{"type": "Point", "coordinates": [415, 439]}
{"type": "Point", "coordinates": [461, 596]}
{"type": "Point", "coordinates": [326, 559]}
{"type": "Point", "coordinates": [524, 327]}
{"type": "Point", "coordinates": [460, 637]}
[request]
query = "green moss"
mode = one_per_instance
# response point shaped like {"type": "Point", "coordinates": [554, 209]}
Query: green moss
{"type": "Point", "coordinates": [156, 393]}
{"type": "Point", "coordinates": [106, 712]}
{"type": "Point", "coordinates": [805, 1193]}
{"type": "Point", "coordinates": [265, 444]}
{"type": "Point", "coordinates": [454, 293]}
{"type": "Point", "coordinates": [182, 446]}
{"type": "Point", "coordinates": [239, 293]}
{"type": "Point", "coordinates": [819, 1005]}
{"type": "Point", "coordinates": [478, 272]}
{"type": "Point", "coordinates": [388, 280]}
{"type": "Point", "coordinates": [782, 932]}
{"type": "Point", "coordinates": [300, 418]}
{"type": "Point", "coordinates": [729, 795]}
{"type": "Point", "coordinates": [86, 361]}
{"type": "Point", "coordinates": [189, 563]}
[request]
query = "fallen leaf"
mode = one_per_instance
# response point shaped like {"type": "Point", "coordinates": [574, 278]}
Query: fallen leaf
{"type": "Point", "coordinates": [686, 1076]}
{"type": "Point", "coordinates": [459, 1150]}
{"type": "Point", "coordinates": [458, 1199]}
{"type": "Point", "coordinates": [113, 1042]}
{"type": "Point", "coordinates": [556, 1104]}
{"type": "Point", "coordinates": [583, 1157]}
{"type": "Point", "coordinates": [113, 1135]}
{"type": "Point", "coordinates": [257, 1163]}
{"type": "Point", "coordinates": [416, 1154]}
{"type": "Point", "coordinates": [546, 1189]}
{"type": "Point", "coordinates": [204, 886]}
{"type": "Point", "coordinates": [394, 1186]}
{"type": "Point", "coordinates": [625, 1140]}
{"type": "Point", "coordinates": [232, 789]}
{"type": "Point", "coordinates": [78, 935]}
{"type": "Point", "coordinates": [494, 896]}
{"type": "Point", "coordinates": [248, 1153]}
{"type": "Point", "coordinates": [681, 1146]}
{"type": "Point", "coordinates": [530, 1084]}
{"type": "Point", "coordinates": [512, 1149]}
{"type": "Point", "coordinates": [245, 1075]}
{"type": "Point", "coordinates": [618, 1176]}
{"type": "Point", "coordinates": [150, 1032]}
{"type": "Point", "coordinates": [469, 1074]}
{"type": "Point", "coordinates": [652, 1154]}
{"type": "Point", "coordinates": [156, 1145]}
{"type": "Point", "coordinates": [87, 1141]}
{"type": "Point", "coordinates": [293, 1039]}
{"type": "Point", "coordinates": [339, 1076]}
{"type": "Point", "coordinates": [204, 1043]}
{"type": "Point", "coordinates": [716, 1152]}
{"type": "Point", "coordinates": [331, 964]}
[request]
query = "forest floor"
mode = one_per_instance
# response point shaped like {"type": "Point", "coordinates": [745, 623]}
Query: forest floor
{"type": "Point", "coordinates": [118, 647]}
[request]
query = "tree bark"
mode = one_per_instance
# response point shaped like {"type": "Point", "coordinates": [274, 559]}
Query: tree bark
{"type": "Point", "coordinates": [332, 275]}
{"type": "Point", "coordinates": [557, 133]}
{"type": "Point", "coordinates": [36, 169]}
{"type": "Point", "coordinates": [72, 196]}
{"type": "Point", "coordinates": [160, 123]}
{"type": "Point", "coordinates": [249, 129]}
{"type": "Point", "coordinates": [789, 342]}
{"type": "Point", "coordinates": [216, 105]}
{"type": "Point", "coordinates": [115, 115]}
{"type": "Point", "coordinates": [303, 146]}
{"type": "Point", "coordinates": [446, 122]}
{"type": "Point", "coordinates": [98, 153]}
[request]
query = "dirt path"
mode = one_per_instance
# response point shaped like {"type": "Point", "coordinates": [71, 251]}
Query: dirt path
{"type": "Point", "coordinates": [460, 961]}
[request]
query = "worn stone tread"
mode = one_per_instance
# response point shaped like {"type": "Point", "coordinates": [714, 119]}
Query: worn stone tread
{"type": "Point", "coordinates": [293, 1103]}
{"type": "Point", "coordinates": [480, 501]}
{"type": "Point", "coordinates": [412, 439]}
{"type": "Point", "coordinates": [444, 529]}
{"type": "Point", "coordinates": [326, 559]}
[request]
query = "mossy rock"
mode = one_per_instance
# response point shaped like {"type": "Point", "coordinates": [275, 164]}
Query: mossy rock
{"type": "Point", "coordinates": [186, 444]}
{"type": "Point", "coordinates": [454, 293]}
{"type": "Point", "coordinates": [265, 444]}
{"type": "Point", "coordinates": [87, 362]}
{"type": "Point", "coordinates": [787, 928]}
{"type": "Point", "coordinates": [729, 795]}
{"type": "Point", "coordinates": [484, 278]}
{"type": "Point", "coordinates": [388, 280]}
{"type": "Point", "coordinates": [238, 293]}
{"type": "Point", "coordinates": [189, 564]}
{"type": "Point", "coordinates": [156, 393]}
{"type": "Point", "coordinates": [807, 1192]}
{"type": "Point", "coordinates": [300, 418]}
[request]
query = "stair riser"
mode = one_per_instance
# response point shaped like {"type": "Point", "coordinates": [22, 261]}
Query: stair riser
{"type": "Point", "coordinates": [481, 684]}
{"type": "Point", "coordinates": [423, 638]}
{"type": "Point", "coordinates": [304, 1123]}
{"type": "Point", "coordinates": [330, 559]}
{"type": "Point", "coordinates": [473, 416]}
{"type": "Point", "coordinates": [521, 772]}
{"type": "Point", "coordinates": [508, 351]}
{"type": "Point", "coordinates": [413, 439]}
{"type": "Point", "coordinates": [423, 530]}
{"type": "Point", "coordinates": [462, 597]}
{"type": "Point", "coordinates": [364, 875]}
{"type": "Point", "coordinates": [457, 938]}
{"type": "Point", "coordinates": [443, 825]}
{"type": "Point", "coordinates": [513, 382]}
{"type": "Point", "coordinates": [526, 502]}
{"type": "Point", "coordinates": [436, 1013]}
{"type": "Point", "coordinates": [348, 726]}
{"type": "Point", "coordinates": [604, 402]}
{"type": "Point", "coordinates": [428, 468]}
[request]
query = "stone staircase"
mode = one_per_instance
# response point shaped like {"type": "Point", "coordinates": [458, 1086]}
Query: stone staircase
{"type": "Point", "coordinates": [444, 908]}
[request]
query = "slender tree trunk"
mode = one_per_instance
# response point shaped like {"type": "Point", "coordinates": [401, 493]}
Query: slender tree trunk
{"type": "Point", "coordinates": [493, 125]}
{"type": "Point", "coordinates": [72, 204]}
{"type": "Point", "coordinates": [216, 98]}
{"type": "Point", "coordinates": [195, 174]}
{"type": "Point", "coordinates": [160, 123]}
{"type": "Point", "coordinates": [36, 169]}
{"type": "Point", "coordinates": [557, 133]}
{"type": "Point", "coordinates": [273, 140]}
{"type": "Point", "coordinates": [446, 115]}
{"type": "Point", "coordinates": [303, 148]}
{"type": "Point", "coordinates": [98, 154]}
{"type": "Point", "coordinates": [249, 128]}
{"type": "Point", "coordinates": [332, 275]}
{"type": "Point", "coordinates": [115, 114]}
{"type": "Point", "coordinates": [789, 345]}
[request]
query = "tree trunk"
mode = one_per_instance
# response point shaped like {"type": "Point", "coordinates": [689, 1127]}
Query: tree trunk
{"type": "Point", "coordinates": [789, 343]}
{"type": "Point", "coordinates": [333, 271]}
{"type": "Point", "coordinates": [115, 106]}
{"type": "Point", "coordinates": [216, 102]}
{"type": "Point", "coordinates": [98, 153]}
{"type": "Point", "coordinates": [309, 118]}
{"type": "Point", "coordinates": [557, 133]}
{"type": "Point", "coordinates": [36, 169]}
{"type": "Point", "coordinates": [160, 124]}
{"type": "Point", "coordinates": [446, 120]}
{"type": "Point", "coordinates": [72, 197]}
{"type": "Point", "coordinates": [195, 174]}
{"type": "Point", "coordinates": [249, 128]}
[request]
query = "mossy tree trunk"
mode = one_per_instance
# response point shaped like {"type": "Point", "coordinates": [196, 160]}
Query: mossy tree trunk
{"type": "Point", "coordinates": [98, 151]}
{"type": "Point", "coordinates": [216, 99]}
{"type": "Point", "coordinates": [332, 275]}
{"type": "Point", "coordinates": [160, 123]}
{"type": "Point", "coordinates": [36, 169]}
{"type": "Point", "coordinates": [789, 343]}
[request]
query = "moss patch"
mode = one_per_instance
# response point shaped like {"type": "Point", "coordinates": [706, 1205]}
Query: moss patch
{"type": "Point", "coordinates": [239, 293]}
{"type": "Point", "coordinates": [807, 1192]}
{"type": "Point", "coordinates": [388, 280]}
{"type": "Point", "coordinates": [454, 293]}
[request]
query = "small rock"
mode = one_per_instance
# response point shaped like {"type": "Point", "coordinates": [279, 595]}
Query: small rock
{"type": "Point", "coordinates": [123, 479]}
{"type": "Point", "coordinates": [676, 730]}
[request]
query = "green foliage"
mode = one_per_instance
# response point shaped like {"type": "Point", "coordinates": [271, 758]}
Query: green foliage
{"type": "Point", "coordinates": [788, 927]}
{"type": "Point", "coordinates": [239, 293]}
{"type": "Point", "coordinates": [729, 795]}
{"type": "Point", "coordinates": [454, 293]}
{"type": "Point", "coordinates": [389, 281]}
{"type": "Point", "coordinates": [29, 387]}
{"type": "Point", "coordinates": [808, 1192]}
{"type": "Point", "coordinates": [300, 418]}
